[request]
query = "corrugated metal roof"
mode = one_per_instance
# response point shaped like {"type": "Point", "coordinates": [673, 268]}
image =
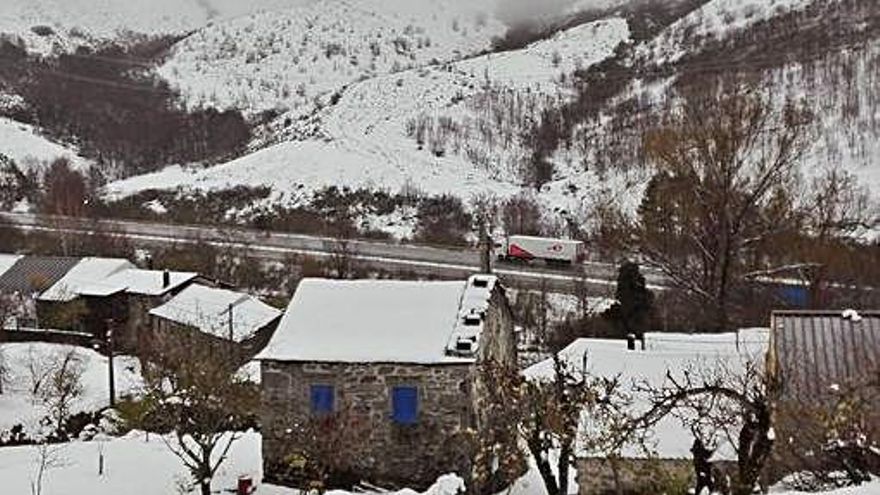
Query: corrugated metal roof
{"type": "Point", "coordinates": [818, 349]}
{"type": "Point", "coordinates": [35, 273]}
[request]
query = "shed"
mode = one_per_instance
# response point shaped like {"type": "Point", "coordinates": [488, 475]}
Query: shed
{"type": "Point", "coordinates": [814, 352]}
{"type": "Point", "coordinates": [220, 314]}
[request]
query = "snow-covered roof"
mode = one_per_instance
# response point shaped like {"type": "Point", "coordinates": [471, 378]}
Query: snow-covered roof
{"type": "Point", "coordinates": [148, 282]}
{"type": "Point", "coordinates": [106, 276]}
{"type": "Point", "coordinates": [89, 275]}
{"type": "Point", "coordinates": [6, 262]}
{"type": "Point", "coordinates": [664, 352]}
{"type": "Point", "coordinates": [207, 309]}
{"type": "Point", "coordinates": [382, 321]}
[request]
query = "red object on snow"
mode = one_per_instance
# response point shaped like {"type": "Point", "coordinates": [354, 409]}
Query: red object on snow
{"type": "Point", "coordinates": [518, 252]}
{"type": "Point", "coordinates": [245, 485]}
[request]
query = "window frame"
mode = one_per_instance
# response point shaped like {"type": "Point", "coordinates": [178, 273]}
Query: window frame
{"type": "Point", "coordinates": [313, 409]}
{"type": "Point", "coordinates": [397, 416]}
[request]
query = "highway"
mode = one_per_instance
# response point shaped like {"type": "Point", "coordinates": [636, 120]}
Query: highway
{"type": "Point", "coordinates": [441, 262]}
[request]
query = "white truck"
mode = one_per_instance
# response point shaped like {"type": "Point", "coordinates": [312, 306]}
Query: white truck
{"type": "Point", "coordinates": [530, 248]}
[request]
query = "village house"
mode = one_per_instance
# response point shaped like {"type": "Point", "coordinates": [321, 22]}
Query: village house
{"type": "Point", "coordinates": [820, 360]}
{"type": "Point", "coordinates": [394, 364]}
{"type": "Point", "coordinates": [666, 453]}
{"type": "Point", "coordinates": [22, 279]}
{"type": "Point", "coordinates": [97, 292]}
{"type": "Point", "coordinates": [815, 353]}
{"type": "Point", "coordinates": [237, 324]}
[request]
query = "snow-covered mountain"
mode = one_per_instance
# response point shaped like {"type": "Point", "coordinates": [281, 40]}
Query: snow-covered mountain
{"type": "Point", "coordinates": [287, 58]}
{"type": "Point", "coordinates": [389, 132]}
{"type": "Point", "coordinates": [411, 94]}
{"type": "Point", "coordinates": [53, 26]}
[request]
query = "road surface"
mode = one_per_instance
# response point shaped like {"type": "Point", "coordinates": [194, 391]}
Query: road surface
{"type": "Point", "coordinates": [442, 262]}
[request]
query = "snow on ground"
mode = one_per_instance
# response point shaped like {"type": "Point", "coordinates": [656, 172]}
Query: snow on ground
{"type": "Point", "coordinates": [364, 139]}
{"type": "Point", "coordinates": [125, 460]}
{"type": "Point", "coordinates": [284, 59]}
{"type": "Point", "coordinates": [869, 488]}
{"type": "Point", "coordinates": [18, 404]}
{"type": "Point", "coordinates": [89, 22]}
{"type": "Point", "coordinates": [296, 169]}
{"type": "Point", "coordinates": [714, 20]}
{"type": "Point", "coordinates": [23, 144]}
{"type": "Point", "coordinates": [139, 464]}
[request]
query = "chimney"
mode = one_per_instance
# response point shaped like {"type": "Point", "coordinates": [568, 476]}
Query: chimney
{"type": "Point", "coordinates": [631, 341]}
{"type": "Point", "coordinates": [166, 279]}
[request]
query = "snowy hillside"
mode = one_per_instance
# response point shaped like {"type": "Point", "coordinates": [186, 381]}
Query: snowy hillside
{"type": "Point", "coordinates": [24, 145]}
{"type": "Point", "coordinates": [408, 95]}
{"type": "Point", "coordinates": [50, 26]}
{"type": "Point", "coordinates": [285, 59]}
{"type": "Point", "coordinates": [385, 132]}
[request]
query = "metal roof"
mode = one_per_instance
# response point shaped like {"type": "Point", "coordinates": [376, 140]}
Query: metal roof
{"type": "Point", "coordinates": [35, 273]}
{"type": "Point", "coordinates": [816, 350]}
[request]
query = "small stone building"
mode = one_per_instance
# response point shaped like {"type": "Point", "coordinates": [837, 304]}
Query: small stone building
{"type": "Point", "coordinates": [234, 323]}
{"type": "Point", "coordinates": [393, 366]}
{"type": "Point", "coordinates": [96, 291]}
{"type": "Point", "coordinates": [22, 279]}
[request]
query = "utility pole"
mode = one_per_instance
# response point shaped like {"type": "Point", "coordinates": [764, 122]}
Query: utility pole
{"type": "Point", "coordinates": [485, 247]}
{"type": "Point", "coordinates": [231, 326]}
{"type": "Point", "coordinates": [110, 371]}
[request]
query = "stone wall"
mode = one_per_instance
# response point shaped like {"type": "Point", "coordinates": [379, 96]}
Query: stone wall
{"type": "Point", "coordinates": [498, 341]}
{"type": "Point", "coordinates": [386, 453]}
{"type": "Point", "coordinates": [601, 476]}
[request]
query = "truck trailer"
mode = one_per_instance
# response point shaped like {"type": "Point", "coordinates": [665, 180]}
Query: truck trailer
{"type": "Point", "coordinates": [529, 248]}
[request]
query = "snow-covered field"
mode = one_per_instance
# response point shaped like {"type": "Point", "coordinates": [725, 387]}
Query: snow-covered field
{"type": "Point", "coordinates": [23, 144]}
{"type": "Point", "coordinates": [18, 405]}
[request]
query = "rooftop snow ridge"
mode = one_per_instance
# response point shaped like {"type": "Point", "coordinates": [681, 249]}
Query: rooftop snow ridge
{"type": "Point", "coordinates": [464, 340]}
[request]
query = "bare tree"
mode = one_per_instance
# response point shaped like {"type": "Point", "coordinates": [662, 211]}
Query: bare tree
{"type": "Point", "coordinates": [49, 456]}
{"type": "Point", "coordinates": [342, 257]}
{"type": "Point", "coordinates": [62, 386]}
{"type": "Point", "coordinates": [549, 412]}
{"type": "Point", "coordinates": [724, 185]}
{"type": "Point", "coordinates": [832, 438]}
{"type": "Point", "coordinates": [721, 405]}
{"type": "Point", "coordinates": [202, 399]}
{"type": "Point", "coordinates": [5, 312]}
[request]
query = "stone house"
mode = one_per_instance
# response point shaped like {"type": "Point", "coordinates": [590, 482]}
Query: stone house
{"type": "Point", "coordinates": [22, 279]}
{"type": "Point", "coordinates": [393, 365]}
{"type": "Point", "coordinates": [236, 324]}
{"type": "Point", "coordinates": [97, 291]}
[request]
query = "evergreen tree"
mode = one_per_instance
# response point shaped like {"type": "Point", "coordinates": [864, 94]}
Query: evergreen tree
{"type": "Point", "coordinates": [631, 313]}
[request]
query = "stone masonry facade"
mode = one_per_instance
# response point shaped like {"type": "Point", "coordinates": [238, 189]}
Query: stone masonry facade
{"type": "Point", "coordinates": [414, 455]}
{"type": "Point", "coordinates": [450, 402]}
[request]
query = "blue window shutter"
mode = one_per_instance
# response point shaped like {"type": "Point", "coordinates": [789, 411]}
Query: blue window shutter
{"type": "Point", "coordinates": [322, 399]}
{"type": "Point", "coordinates": [405, 405]}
